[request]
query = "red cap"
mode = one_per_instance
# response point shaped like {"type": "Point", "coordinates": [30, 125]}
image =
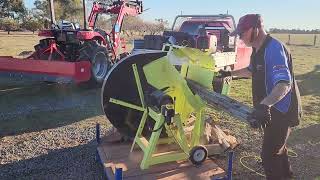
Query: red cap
{"type": "Point", "coordinates": [246, 22]}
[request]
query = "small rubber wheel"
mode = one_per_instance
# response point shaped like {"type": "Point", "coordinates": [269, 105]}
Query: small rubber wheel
{"type": "Point", "coordinates": [198, 155]}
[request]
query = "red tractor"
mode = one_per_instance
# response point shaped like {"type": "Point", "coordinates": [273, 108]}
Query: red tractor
{"type": "Point", "coordinates": [70, 54]}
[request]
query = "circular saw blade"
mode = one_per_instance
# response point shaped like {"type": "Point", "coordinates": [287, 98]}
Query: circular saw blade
{"type": "Point", "coordinates": [120, 84]}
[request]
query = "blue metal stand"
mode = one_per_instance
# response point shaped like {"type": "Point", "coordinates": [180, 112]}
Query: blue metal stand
{"type": "Point", "coordinates": [98, 133]}
{"type": "Point", "coordinates": [230, 162]}
{"type": "Point", "coordinates": [229, 173]}
{"type": "Point", "coordinates": [118, 174]}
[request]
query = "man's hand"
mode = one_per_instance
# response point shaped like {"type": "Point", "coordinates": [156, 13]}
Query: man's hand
{"type": "Point", "coordinates": [262, 116]}
{"type": "Point", "coordinates": [223, 73]}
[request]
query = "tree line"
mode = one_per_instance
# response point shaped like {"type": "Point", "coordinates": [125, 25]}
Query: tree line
{"type": "Point", "coordinates": [294, 31]}
{"type": "Point", "coordinates": [14, 16]}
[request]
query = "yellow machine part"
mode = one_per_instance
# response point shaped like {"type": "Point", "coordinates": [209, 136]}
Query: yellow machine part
{"type": "Point", "coordinates": [200, 67]}
{"type": "Point", "coordinates": [162, 74]}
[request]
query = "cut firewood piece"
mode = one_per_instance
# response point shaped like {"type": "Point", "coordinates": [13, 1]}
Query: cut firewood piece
{"type": "Point", "coordinates": [227, 131]}
{"type": "Point", "coordinates": [214, 137]}
{"type": "Point", "coordinates": [214, 149]}
{"type": "Point", "coordinates": [219, 136]}
{"type": "Point", "coordinates": [222, 137]}
{"type": "Point", "coordinates": [232, 141]}
{"type": "Point", "coordinates": [207, 136]}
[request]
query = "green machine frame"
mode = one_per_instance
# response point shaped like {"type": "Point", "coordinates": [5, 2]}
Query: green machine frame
{"type": "Point", "coordinates": [198, 66]}
{"type": "Point", "coordinates": [161, 74]}
{"type": "Point", "coordinates": [175, 131]}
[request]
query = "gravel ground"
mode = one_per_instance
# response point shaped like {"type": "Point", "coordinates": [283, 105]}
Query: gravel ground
{"type": "Point", "coordinates": [66, 152]}
{"type": "Point", "coordinates": [45, 104]}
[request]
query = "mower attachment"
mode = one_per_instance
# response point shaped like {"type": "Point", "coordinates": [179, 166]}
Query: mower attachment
{"type": "Point", "coordinates": [44, 70]}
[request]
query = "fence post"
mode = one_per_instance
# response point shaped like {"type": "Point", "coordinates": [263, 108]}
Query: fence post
{"type": "Point", "coordinates": [118, 174]}
{"type": "Point", "coordinates": [288, 39]}
{"type": "Point", "coordinates": [314, 40]}
{"type": "Point", "coordinates": [98, 138]}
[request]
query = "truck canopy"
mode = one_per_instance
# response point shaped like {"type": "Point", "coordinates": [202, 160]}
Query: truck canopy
{"type": "Point", "coordinates": [191, 23]}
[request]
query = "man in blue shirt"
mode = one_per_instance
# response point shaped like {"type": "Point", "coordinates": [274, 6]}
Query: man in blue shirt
{"type": "Point", "coordinates": [271, 91]}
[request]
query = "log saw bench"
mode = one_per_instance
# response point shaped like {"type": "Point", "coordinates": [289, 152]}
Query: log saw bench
{"type": "Point", "coordinates": [158, 109]}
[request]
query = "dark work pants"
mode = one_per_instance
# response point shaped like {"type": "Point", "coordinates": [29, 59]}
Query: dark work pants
{"type": "Point", "coordinates": [274, 151]}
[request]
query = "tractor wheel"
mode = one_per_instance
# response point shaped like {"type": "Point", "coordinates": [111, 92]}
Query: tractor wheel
{"type": "Point", "coordinates": [198, 155]}
{"type": "Point", "coordinates": [100, 61]}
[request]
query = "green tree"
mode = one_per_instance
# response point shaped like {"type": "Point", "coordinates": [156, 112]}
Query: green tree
{"type": "Point", "coordinates": [9, 24]}
{"type": "Point", "coordinates": [71, 10]}
{"type": "Point", "coordinates": [64, 10]}
{"type": "Point", "coordinates": [132, 25]}
{"type": "Point", "coordinates": [162, 23]}
{"type": "Point", "coordinates": [41, 9]}
{"type": "Point", "coordinates": [12, 8]}
{"type": "Point", "coordinates": [32, 25]}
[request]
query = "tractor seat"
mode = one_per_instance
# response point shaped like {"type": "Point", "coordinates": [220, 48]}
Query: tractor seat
{"type": "Point", "coordinates": [63, 24]}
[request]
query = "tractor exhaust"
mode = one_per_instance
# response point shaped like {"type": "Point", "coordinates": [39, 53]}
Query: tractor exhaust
{"type": "Point", "coordinates": [84, 15]}
{"type": "Point", "coordinates": [53, 18]}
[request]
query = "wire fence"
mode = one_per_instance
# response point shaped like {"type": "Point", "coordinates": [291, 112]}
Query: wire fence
{"type": "Point", "coordinates": [299, 39]}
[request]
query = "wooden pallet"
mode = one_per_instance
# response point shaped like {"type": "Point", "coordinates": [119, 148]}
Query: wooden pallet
{"type": "Point", "coordinates": [115, 154]}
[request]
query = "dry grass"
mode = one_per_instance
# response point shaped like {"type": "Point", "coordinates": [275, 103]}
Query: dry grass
{"type": "Point", "coordinates": [16, 42]}
{"type": "Point", "coordinates": [299, 39]}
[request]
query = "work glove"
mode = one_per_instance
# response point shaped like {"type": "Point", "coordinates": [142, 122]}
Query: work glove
{"type": "Point", "coordinates": [223, 73]}
{"type": "Point", "coordinates": [262, 116]}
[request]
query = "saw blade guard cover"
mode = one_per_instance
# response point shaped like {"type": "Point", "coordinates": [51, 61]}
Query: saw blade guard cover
{"type": "Point", "coordinates": [161, 74]}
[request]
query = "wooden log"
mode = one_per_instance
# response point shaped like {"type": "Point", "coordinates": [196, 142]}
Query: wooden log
{"type": "Point", "coordinates": [220, 141]}
{"type": "Point", "coordinates": [221, 102]}
{"type": "Point", "coordinates": [214, 149]}
{"type": "Point", "coordinates": [221, 137]}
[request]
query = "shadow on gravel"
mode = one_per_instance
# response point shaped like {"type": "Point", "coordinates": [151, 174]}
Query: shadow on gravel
{"type": "Point", "coordinates": [305, 143]}
{"type": "Point", "coordinates": [311, 133]}
{"type": "Point", "coordinates": [70, 163]}
{"type": "Point", "coordinates": [309, 82]}
{"type": "Point", "coordinates": [43, 106]}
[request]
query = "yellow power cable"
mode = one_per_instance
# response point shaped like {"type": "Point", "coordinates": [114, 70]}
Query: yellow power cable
{"type": "Point", "coordinates": [252, 170]}
{"type": "Point", "coordinates": [291, 153]}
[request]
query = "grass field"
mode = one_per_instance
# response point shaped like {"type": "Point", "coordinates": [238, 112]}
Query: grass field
{"type": "Point", "coordinates": [16, 42]}
{"type": "Point", "coordinates": [17, 94]}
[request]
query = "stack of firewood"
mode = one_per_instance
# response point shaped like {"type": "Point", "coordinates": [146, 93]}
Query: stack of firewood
{"type": "Point", "coordinates": [215, 135]}
{"type": "Point", "coordinates": [214, 138]}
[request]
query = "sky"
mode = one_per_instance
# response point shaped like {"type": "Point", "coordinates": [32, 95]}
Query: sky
{"type": "Point", "coordinates": [289, 14]}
